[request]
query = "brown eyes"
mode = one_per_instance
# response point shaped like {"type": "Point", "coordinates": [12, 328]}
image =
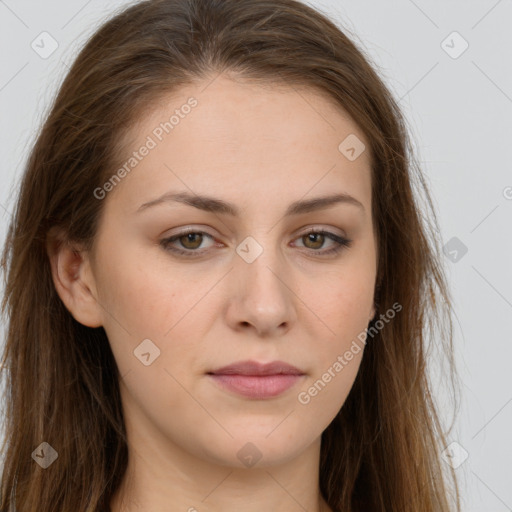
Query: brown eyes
{"type": "Point", "coordinates": [190, 241]}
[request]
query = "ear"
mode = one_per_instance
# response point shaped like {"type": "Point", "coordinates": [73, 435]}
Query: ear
{"type": "Point", "coordinates": [73, 279]}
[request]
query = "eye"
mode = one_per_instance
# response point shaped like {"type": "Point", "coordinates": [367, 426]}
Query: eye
{"type": "Point", "coordinates": [314, 239]}
{"type": "Point", "coordinates": [191, 241]}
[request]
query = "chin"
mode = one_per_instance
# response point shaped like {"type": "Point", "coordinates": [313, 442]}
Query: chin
{"type": "Point", "coordinates": [256, 447]}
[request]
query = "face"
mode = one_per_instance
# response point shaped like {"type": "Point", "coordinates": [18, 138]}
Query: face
{"type": "Point", "coordinates": [251, 284]}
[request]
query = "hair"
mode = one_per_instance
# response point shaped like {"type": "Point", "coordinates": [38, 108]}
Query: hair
{"type": "Point", "coordinates": [382, 451]}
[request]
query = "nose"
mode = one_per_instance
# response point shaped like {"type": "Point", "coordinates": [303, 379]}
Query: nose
{"type": "Point", "coordinates": [262, 297]}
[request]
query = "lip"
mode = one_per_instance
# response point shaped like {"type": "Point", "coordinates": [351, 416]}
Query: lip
{"type": "Point", "coordinates": [257, 380]}
{"type": "Point", "coordinates": [255, 368]}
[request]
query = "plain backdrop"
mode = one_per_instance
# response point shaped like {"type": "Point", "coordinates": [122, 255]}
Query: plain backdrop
{"type": "Point", "coordinates": [449, 63]}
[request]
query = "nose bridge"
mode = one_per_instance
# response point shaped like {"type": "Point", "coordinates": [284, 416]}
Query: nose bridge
{"type": "Point", "coordinates": [261, 261]}
{"type": "Point", "coordinates": [264, 297]}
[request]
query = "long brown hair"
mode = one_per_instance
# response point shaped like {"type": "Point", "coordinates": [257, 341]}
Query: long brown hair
{"type": "Point", "coordinates": [382, 451]}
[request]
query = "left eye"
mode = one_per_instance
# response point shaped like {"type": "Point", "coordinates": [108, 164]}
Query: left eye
{"type": "Point", "coordinates": [192, 240]}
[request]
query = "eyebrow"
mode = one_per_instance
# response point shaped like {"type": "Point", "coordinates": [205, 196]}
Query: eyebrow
{"type": "Point", "coordinates": [214, 205]}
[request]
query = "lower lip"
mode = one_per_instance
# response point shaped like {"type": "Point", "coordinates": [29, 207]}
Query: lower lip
{"type": "Point", "coordinates": [253, 386]}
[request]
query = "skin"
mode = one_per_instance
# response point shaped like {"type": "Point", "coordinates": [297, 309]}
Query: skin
{"type": "Point", "coordinates": [260, 148]}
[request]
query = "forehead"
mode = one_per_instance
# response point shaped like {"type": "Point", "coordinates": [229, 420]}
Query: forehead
{"type": "Point", "coordinates": [245, 138]}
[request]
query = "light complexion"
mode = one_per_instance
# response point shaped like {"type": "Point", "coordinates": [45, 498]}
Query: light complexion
{"type": "Point", "coordinates": [204, 306]}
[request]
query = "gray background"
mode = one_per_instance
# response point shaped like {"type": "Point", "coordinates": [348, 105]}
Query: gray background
{"type": "Point", "coordinates": [459, 111]}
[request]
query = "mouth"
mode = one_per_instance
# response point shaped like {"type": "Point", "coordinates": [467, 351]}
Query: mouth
{"type": "Point", "coordinates": [256, 380]}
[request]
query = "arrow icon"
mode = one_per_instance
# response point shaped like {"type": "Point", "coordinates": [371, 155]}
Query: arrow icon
{"type": "Point", "coordinates": [249, 455]}
{"type": "Point", "coordinates": [44, 45]}
{"type": "Point", "coordinates": [44, 455]}
{"type": "Point", "coordinates": [249, 253]}
{"type": "Point", "coordinates": [454, 45]}
{"type": "Point", "coordinates": [146, 352]}
{"type": "Point", "coordinates": [454, 249]}
{"type": "Point", "coordinates": [351, 147]}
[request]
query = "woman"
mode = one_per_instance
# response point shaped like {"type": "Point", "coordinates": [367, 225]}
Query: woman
{"type": "Point", "coordinates": [218, 279]}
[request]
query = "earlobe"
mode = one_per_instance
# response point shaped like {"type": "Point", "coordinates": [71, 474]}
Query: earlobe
{"type": "Point", "coordinates": [73, 280]}
{"type": "Point", "coordinates": [372, 313]}
{"type": "Point", "coordinates": [376, 300]}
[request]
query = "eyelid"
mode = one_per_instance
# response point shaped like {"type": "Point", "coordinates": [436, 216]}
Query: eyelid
{"type": "Point", "coordinates": [199, 228]}
{"type": "Point", "coordinates": [319, 229]}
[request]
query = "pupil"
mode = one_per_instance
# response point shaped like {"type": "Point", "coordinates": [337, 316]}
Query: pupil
{"type": "Point", "coordinates": [313, 237]}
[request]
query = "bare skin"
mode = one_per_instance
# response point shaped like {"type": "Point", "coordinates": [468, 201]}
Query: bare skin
{"type": "Point", "coordinates": [261, 149]}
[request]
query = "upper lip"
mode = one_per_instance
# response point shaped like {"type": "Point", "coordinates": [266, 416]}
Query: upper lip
{"type": "Point", "coordinates": [255, 368]}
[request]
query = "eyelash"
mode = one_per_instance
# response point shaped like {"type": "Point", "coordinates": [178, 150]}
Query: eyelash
{"type": "Point", "coordinates": [342, 243]}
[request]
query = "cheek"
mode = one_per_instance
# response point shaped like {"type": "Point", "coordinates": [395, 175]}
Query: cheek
{"type": "Point", "coordinates": [344, 294]}
{"type": "Point", "coordinates": [156, 303]}
{"type": "Point", "coordinates": [337, 361]}
{"type": "Point", "coordinates": [345, 304]}
{"type": "Point", "coordinates": [145, 296]}
{"type": "Point", "coordinates": [339, 348]}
